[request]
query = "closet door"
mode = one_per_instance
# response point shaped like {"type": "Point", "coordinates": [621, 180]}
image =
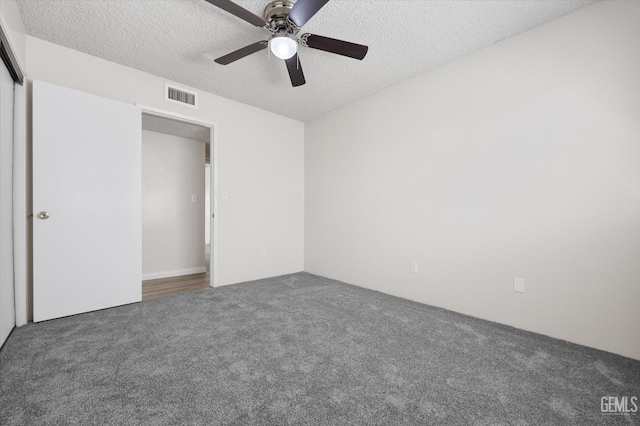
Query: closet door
{"type": "Point", "coordinates": [86, 202]}
{"type": "Point", "coordinates": [7, 301]}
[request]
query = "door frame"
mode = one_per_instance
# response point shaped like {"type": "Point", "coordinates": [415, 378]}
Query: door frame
{"type": "Point", "coordinates": [213, 188]}
{"type": "Point", "coordinates": [21, 256]}
{"type": "Point", "coordinates": [7, 143]}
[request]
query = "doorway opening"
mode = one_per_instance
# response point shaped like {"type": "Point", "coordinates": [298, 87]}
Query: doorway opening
{"type": "Point", "coordinates": [178, 238]}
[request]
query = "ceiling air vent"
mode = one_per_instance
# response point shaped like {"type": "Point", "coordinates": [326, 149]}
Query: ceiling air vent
{"type": "Point", "coordinates": [181, 95]}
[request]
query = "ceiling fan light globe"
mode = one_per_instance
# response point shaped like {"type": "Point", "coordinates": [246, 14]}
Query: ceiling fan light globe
{"type": "Point", "coordinates": [283, 47]}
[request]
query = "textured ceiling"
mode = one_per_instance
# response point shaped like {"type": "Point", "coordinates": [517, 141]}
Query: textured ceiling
{"type": "Point", "coordinates": [170, 38]}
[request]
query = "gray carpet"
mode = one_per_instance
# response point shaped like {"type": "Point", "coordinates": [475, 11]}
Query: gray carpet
{"type": "Point", "coordinates": [301, 349]}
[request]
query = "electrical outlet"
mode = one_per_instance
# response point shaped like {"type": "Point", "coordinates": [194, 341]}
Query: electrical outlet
{"type": "Point", "coordinates": [414, 267]}
{"type": "Point", "coordinates": [263, 253]}
{"type": "Point", "coordinates": [518, 285]}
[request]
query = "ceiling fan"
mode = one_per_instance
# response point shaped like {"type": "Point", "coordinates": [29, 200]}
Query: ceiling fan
{"type": "Point", "coordinates": [284, 18]}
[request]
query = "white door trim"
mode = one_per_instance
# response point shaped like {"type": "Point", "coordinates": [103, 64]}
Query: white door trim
{"type": "Point", "coordinates": [7, 40]}
{"type": "Point", "coordinates": [213, 146]}
{"type": "Point", "coordinates": [7, 266]}
{"type": "Point", "coordinates": [20, 224]}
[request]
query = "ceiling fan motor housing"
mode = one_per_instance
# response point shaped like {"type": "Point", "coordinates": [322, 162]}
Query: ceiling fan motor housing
{"type": "Point", "coordinates": [276, 15]}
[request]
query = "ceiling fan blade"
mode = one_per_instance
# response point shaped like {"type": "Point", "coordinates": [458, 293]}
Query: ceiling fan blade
{"type": "Point", "coordinates": [303, 10]}
{"type": "Point", "coordinates": [340, 47]}
{"type": "Point", "coordinates": [241, 53]}
{"type": "Point", "coordinates": [239, 11]}
{"type": "Point", "coordinates": [295, 71]}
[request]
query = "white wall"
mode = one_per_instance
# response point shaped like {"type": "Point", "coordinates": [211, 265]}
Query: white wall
{"type": "Point", "coordinates": [262, 172]}
{"type": "Point", "coordinates": [14, 37]}
{"type": "Point", "coordinates": [172, 223]}
{"type": "Point", "coordinates": [7, 301]}
{"type": "Point", "coordinates": [522, 160]}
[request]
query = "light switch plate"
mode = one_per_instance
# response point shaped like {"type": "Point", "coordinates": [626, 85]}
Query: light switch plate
{"type": "Point", "coordinates": [518, 285]}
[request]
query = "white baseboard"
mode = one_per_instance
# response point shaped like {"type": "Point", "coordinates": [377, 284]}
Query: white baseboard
{"type": "Point", "coordinates": [176, 273]}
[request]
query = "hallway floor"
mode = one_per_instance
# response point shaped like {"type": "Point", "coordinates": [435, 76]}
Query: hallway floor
{"type": "Point", "coordinates": [163, 287]}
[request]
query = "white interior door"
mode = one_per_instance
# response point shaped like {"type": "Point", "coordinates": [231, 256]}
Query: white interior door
{"type": "Point", "coordinates": [87, 251]}
{"type": "Point", "coordinates": [7, 302]}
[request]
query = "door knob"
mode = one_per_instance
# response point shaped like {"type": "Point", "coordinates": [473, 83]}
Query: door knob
{"type": "Point", "coordinates": [43, 215]}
